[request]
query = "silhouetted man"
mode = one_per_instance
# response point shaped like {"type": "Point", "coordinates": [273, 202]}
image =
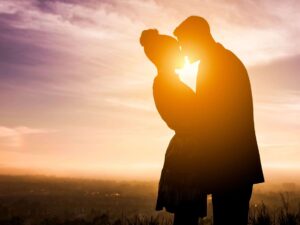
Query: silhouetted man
{"type": "Point", "coordinates": [230, 162]}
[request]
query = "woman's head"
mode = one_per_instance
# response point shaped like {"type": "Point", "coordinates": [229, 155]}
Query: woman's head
{"type": "Point", "coordinates": [162, 50]}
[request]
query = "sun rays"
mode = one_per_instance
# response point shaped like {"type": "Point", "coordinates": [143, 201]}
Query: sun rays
{"type": "Point", "coordinates": [188, 73]}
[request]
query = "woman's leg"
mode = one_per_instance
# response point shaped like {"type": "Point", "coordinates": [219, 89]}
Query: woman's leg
{"type": "Point", "coordinates": [185, 217]}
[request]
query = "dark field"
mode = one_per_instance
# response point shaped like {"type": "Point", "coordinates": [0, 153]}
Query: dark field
{"type": "Point", "coordinates": [48, 200]}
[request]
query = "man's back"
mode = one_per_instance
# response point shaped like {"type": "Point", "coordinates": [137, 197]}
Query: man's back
{"type": "Point", "coordinates": [226, 120]}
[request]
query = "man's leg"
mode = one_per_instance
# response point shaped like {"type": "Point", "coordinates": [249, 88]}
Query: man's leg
{"type": "Point", "coordinates": [232, 206]}
{"type": "Point", "coordinates": [185, 217]}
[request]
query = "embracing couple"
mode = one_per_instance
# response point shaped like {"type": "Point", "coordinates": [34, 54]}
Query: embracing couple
{"type": "Point", "coordinates": [214, 149]}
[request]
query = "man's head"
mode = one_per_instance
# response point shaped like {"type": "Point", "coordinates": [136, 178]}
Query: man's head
{"type": "Point", "coordinates": [194, 37]}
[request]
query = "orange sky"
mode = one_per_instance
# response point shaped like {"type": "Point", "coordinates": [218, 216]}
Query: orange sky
{"type": "Point", "coordinates": [76, 88]}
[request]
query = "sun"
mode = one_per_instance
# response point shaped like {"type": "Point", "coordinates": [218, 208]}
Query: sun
{"type": "Point", "coordinates": [188, 73]}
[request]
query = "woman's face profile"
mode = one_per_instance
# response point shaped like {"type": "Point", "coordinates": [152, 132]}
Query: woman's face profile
{"type": "Point", "coordinates": [173, 56]}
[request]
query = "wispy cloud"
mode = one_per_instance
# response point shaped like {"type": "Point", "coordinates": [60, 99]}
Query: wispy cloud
{"type": "Point", "coordinates": [13, 136]}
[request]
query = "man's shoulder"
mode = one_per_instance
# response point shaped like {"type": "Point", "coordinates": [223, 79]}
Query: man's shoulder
{"type": "Point", "coordinates": [231, 60]}
{"type": "Point", "coordinates": [228, 54]}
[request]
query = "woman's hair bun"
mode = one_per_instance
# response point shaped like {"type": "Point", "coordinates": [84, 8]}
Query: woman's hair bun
{"type": "Point", "coordinates": [148, 36]}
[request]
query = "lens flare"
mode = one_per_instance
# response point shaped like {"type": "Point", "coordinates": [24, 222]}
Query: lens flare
{"type": "Point", "coordinates": [188, 73]}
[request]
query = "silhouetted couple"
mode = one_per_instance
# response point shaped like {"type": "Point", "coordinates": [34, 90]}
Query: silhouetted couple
{"type": "Point", "coordinates": [214, 149]}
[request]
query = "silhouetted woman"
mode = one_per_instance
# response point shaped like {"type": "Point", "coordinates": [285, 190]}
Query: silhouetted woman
{"type": "Point", "coordinates": [175, 102]}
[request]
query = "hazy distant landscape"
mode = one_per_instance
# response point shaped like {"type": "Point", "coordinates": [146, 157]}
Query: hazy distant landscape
{"type": "Point", "coordinates": [49, 200]}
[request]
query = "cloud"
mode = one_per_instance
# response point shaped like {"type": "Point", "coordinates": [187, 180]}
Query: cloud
{"type": "Point", "coordinates": [90, 36]}
{"type": "Point", "coordinates": [280, 74]}
{"type": "Point", "coordinates": [13, 137]}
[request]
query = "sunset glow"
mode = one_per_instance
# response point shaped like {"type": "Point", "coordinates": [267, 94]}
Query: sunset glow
{"type": "Point", "coordinates": [188, 73]}
{"type": "Point", "coordinates": [76, 86]}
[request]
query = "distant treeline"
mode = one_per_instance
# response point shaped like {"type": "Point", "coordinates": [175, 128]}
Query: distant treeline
{"type": "Point", "coordinates": [39, 200]}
